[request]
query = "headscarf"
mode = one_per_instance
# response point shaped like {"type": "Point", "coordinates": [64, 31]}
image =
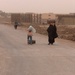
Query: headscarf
{"type": "Point", "coordinates": [31, 28]}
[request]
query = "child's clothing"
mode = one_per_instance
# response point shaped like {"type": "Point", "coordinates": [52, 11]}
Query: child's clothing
{"type": "Point", "coordinates": [29, 37]}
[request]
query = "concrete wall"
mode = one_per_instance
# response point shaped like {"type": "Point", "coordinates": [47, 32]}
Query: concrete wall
{"type": "Point", "coordinates": [66, 19]}
{"type": "Point", "coordinates": [16, 17]}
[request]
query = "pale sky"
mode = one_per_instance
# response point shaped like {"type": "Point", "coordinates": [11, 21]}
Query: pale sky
{"type": "Point", "coordinates": [38, 6]}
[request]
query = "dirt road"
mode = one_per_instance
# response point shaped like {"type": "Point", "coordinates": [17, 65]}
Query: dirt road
{"type": "Point", "coordinates": [19, 58]}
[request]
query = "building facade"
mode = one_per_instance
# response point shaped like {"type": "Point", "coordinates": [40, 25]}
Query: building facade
{"type": "Point", "coordinates": [68, 19]}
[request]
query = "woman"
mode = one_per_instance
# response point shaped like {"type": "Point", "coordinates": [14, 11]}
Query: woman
{"type": "Point", "coordinates": [52, 34]}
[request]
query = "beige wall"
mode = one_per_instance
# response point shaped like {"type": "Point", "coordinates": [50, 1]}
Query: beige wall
{"type": "Point", "coordinates": [48, 16]}
{"type": "Point", "coordinates": [66, 20]}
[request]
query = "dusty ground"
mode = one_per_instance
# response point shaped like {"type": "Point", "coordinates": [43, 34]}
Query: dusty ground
{"type": "Point", "coordinates": [19, 58]}
{"type": "Point", "coordinates": [64, 31]}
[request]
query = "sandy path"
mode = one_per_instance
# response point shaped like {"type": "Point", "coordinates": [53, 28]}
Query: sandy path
{"type": "Point", "coordinates": [19, 58]}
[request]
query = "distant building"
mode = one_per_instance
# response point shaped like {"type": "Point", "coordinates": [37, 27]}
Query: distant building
{"type": "Point", "coordinates": [32, 17]}
{"type": "Point", "coordinates": [16, 17]}
{"type": "Point", "coordinates": [47, 16]}
{"type": "Point", "coordinates": [66, 19]}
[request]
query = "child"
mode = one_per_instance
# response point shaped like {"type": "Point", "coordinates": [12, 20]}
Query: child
{"type": "Point", "coordinates": [30, 34]}
{"type": "Point", "coordinates": [29, 37]}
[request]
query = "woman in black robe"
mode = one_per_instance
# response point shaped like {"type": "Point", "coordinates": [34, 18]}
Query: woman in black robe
{"type": "Point", "coordinates": [52, 33]}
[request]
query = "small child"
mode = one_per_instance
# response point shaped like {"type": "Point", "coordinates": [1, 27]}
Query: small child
{"type": "Point", "coordinates": [29, 37]}
{"type": "Point", "coordinates": [31, 30]}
